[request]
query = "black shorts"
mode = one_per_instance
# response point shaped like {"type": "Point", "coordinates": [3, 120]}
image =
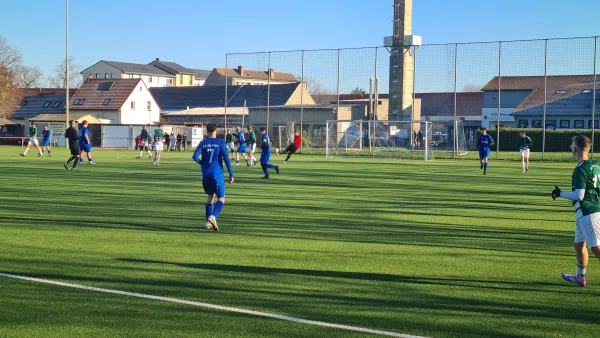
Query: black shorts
{"type": "Point", "coordinates": [75, 150]}
{"type": "Point", "coordinates": [291, 149]}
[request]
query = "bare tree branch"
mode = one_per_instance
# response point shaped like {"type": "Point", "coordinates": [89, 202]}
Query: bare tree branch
{"type": "Point", "coordinates": [10, 61]}
{"type": "Point", "coordinates": [320, 94]}
{"type": "Point", "coordinates": [29, 77]}
{"type": "Point", "coordinates": [59, 78]}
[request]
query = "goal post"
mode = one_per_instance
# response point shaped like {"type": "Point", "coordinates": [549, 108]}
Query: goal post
{"type": "Point", "coordinates": [393, 139]}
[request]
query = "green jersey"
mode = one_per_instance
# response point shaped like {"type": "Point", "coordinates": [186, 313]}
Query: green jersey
{"type": "Point", "coordinates": [32, 132]}
{"type": "Point", "coordinates": [525, 142]}
{"type": "Point", "coordinates": [229, 138]}
{"type": "Point", "coordinates": [251, 138]}
{"type": "Point", "coordinates": [158, 135]}
{"type": "Point", "coordinates": [144, 135]}
{"type": "Point", "coordinates": [585, 176]}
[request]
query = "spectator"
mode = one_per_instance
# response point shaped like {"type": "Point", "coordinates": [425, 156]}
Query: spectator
{"type": "Point", "coordinates": [167, 140]}
{"type": "Point", "coordinates": [172, 138]}
{"type": "Point", "coordinates": [179, 140]}
{"type": "Point", "coordinates": [185, 142]}
{"type": "Point", "coordinates": [420, 138]}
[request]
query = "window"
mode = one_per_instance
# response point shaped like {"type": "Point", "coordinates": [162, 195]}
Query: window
{"type": "Point", "coordinates": [149, 79]}
{"type": "Point", "coordinates": [536, 123]}
{"type": "Point", "coordinates": [578, 124]}
{"type": "Point", "coordinates": [560, 92]}
{"type": "Point", "coordinates": [132, 105]}
{"type": "Point", "coordinates": [131, 76]}
{"type": "Point", "coordinates": [550, 124]}
{"type": "Point", "coordinates": [47, 104]}
{"type": "Point", "coordinates": [105, 86]}
{"type": "Point", "coordinates": [57, 104]}
{"type": "Point", "coordinates": [180, 79]}
{"type": "Point", "coordinates": [97, 76]}
{"type": "Point", "coordinates": [595, 124]}
{"type": "Point", "coordinates": [79, 102]}
{"type": "Point", "coordinates": [140, 88]}
{"type": "Point", "coordinates": [566, 124]}
{"type": "Point", "coordinates": [523, 123]}
{"type": "Point", "coordinates": [112, 75]}
{"type": "Point", "coordinates": [191, 80]}
{"type": "Point", "coordinates": [106, 102]}
{"type": "Point", "coordinates": [149, 105]}
{"type": "Point", "coordinates": [586, 91]}
{"type": "Point", "coordinates": [106, 75]}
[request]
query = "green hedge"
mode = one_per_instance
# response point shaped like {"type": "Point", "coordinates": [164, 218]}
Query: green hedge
{"type": "Point", "coordinates": [556, 140]}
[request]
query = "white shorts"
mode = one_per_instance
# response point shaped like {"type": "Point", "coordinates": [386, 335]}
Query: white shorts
{"type": "Point", "coordinates": [231, 146]}
{"type": "Point", "coordinates": [159, 146]}
{"type": "Point", "coordinates": [33, 142]}
{"type": "Point", "coordinates": [587, 228]}
{"type": "Point", "coordinates": [525, 153]}
{"type": "Point", "coordinates": [252, 149]}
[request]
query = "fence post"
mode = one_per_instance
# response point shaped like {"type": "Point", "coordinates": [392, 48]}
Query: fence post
{"type": "Point", "coordinates": [499, 99]}
{"type": "Point", "coordinates": [327, 139]}
{"type": "Point", "coordinates": [454, 138]}
{"type": "Point", "coordinates": [302, 104]}
{"type": "Point", "coordinates": [545, 97]}
{"type": "Point", "coordinates": [338, 85]}
{"type": "Point", "coordinates": [269, 94]}
{"type": "Point", "coordinates": [226, 79]}
{"type": "Point", "coordinates": [594, 96]}
{"type": "Point", "coordinates": [426, 140]}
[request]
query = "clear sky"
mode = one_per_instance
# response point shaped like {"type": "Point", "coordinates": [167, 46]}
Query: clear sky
{"type": "Point", "coordinates": [198, 33]}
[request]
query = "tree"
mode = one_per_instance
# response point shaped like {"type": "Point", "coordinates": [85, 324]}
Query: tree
{"type": "Point", "coordinates": [357, 91]}
{"type": "Point", "coordinates": [59, 79]}
{"type": "Point", "coordinates": [29, 77]}
{"type": "Point", "coordinates": [320, 94]}
{"type": "Point", "coordinates": [10, 94]}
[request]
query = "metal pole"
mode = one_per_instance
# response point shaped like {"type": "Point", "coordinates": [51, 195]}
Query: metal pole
{"type": "Point", "coordinates": [338, 85]}
{"type": "Point", "coordinates": [545, 97]}
{"type": "Point", "coordinates": [302, 103]}
{"type": "Point", "coordinates": [226, 79]}
{"type": "Point", "coordinates": [269, 95]}
{"type": "Point", "coordinates": [454, 138]}
{"type": "Point", "coordinates": [499, 99]}
{"type": "Point", "coordinates": [414, 95]}
{"type": "Point", "coordinates": [426, 140]}
{"type": "Point", "coordinates": [594, 97]}
{"type": "Point", "coordinates": [327, 139]}
{"type": "Point", "coordinates": [67, 68]}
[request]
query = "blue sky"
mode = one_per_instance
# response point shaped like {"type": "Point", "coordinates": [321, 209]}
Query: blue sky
{"type": "Point", "coordinates": [198, 33]}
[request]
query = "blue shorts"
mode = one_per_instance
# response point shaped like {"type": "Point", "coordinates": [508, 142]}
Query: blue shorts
{"type": "Point", "coordinates": [46, 143]}
{"type": "Point", "coordinates": [214, 186]}
{"type": "Point", "coordinates": [242, 148]}
{"type": "Point", "coordinates": [484, 153]}
{"type": "Point", "coordinates": [87, 148]}
{"type": "Point", "coordinates": [265, 157]}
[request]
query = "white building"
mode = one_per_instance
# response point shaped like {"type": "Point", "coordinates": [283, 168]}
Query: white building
{"type": "Point", "coordinates": [122, 101]}
{"type": "Point", "coordinates": [152, 75]}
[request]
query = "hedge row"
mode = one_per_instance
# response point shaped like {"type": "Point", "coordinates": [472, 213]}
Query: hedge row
{"type": "Point", "coordinates": [556, 140]}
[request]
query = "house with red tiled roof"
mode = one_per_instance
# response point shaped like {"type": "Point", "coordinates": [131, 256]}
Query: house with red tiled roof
{"type": "Point", "coordinates": [240, 76]}
{"type": "Point", "coordinates": [121, 101]}
{"type": "Point", "coordinates": [567, 99]}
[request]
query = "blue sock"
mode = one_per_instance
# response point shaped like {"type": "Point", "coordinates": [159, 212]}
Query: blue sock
{"type": "Point", "coordinates": [264, 168]}
{"type": "Point", "coordinates": [42, 152]}
{"type": "Point", "coordinates": [218, 208]}
{"type": "Point", "coordinates": [485, 165]}
{"type": "Point", "coordinates": [90, 159]}
{"type": "Point", "coordinates": [270, 166]}
{"type": "Point", "coordinates": [209, 210]}
{"type": "Point", "coordinates": [49, 152]}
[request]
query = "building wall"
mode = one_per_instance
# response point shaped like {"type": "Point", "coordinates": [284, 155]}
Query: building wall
{"type": "Point", "coordinates": [151, 81]}
{"type": "Point", "coordinates": [581, 121]}
{"type": "Point", "coordinates": [184, 80]}
{"type": "Point", "coordinates": [258, 116]}
{"type": "Point", "coordinates": [301, 95]}
{"type": "Point", "coordinates": [509, 98]}
{"type": "Point", "coordinates": [199, 82]}
{"type": "Point", "coordinates": [111, 115]}
{"type": "Point", "coordinates": [102, 69]}
{"type": "Point", "coordinates": [140, 114]}
{"type": "Point", "coordinates": [214, 79]}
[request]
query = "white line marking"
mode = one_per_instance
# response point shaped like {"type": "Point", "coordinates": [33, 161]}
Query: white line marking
{"type": "Point", "coordinates": [212, 306]}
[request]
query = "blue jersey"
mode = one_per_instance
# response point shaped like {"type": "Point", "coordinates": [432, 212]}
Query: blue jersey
{"type": "Point", "coordinates": [485, 142]}
{"type": "Point", "coordinates": [241, 138]}
{"type": "Point", "coordinates": [213, 152]}
{"type": "Point", "coordinates": [266, 143]}
{"type": "Point", "coordinates": [46, 135]}
{"type": "Point", "coordinates": [82, 132]}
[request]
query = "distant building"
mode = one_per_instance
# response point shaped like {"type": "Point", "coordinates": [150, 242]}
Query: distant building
{"type": "Point", "coordinates": [38, 101]}
{"type": "Point", "coordinates": [242, 76]}
{"type": "Point", "coordinates": [184, 77]}
{"type": "Point", "coordinates": [120, 101]}
{"type": "Point", "coordinates": [569, 101]}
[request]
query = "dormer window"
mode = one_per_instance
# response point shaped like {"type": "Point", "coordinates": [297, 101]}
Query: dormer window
{"type": "Point", "coordinates": [586, 91]}
{"type": "Point", "coordinates": [560, 92]}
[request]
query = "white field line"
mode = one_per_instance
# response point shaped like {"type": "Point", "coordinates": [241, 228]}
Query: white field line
{"type": "Point", "coordinates": [212, 306]}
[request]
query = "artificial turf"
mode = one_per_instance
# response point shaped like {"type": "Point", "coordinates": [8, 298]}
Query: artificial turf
{"type": "Point", "coordinates": [423, 248]}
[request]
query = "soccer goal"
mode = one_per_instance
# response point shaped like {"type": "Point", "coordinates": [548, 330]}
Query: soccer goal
{"type": "Point", "coordinates": [394, 139]}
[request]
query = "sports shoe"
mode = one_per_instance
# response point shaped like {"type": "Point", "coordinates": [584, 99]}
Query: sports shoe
{"type": "Point", "coordinates": [92, 163]}
{"type": "Point", "coordinates": [150, 157]}
{"type": "Point", "coordinates": [208, 226]}
{"type": "Point", "coordinates": [574, 280]}
{"type": "Point", "coordinates": [248, 164]}
{"type": "Point", "coordinates": [66, 166]}
{"type": "Point", "coordinates": [73, 169]}
{"type": "Point", "coordinates": [265, 177]}
{"type": "Point", "coordinates": [138, 157]}
{"type": "Point", "coordinates": [237, 163]}
{"type": "Point", "coordinates": [526, 170]}
{"type": "Point", "coordinates": [277, 169]}
{"type": "Point", "coordinates": [213, 223]}
{"type": "Point", "coordinates": [23, 155]}
{"type": "Point", "coordinates": [523, 171]}
{"type": "Point", "coordinates": [481, 166]}
{"type": "Point", "coordinates": [40, 155]}
{"type": "Point", "coordinates": [284, 161]}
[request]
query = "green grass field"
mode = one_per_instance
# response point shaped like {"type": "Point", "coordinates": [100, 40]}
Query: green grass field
{"type": "Point", "coordinates": [422, 248]}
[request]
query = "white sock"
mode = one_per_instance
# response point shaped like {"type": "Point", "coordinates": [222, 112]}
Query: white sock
{"type": "Point", "coordinates": [26, 150]}
{"type": "Point", "coordinates": [141, 152]}
{"type": "Point", "coordinates": [523, 164]}
{"type": "Point", "coordinates": [581, 271]}
{"type": "Point", "coordinates": [149, 153]}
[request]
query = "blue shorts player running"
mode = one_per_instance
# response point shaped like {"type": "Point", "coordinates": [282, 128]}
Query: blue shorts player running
{"type": "Point", "coordinates": [484, 144]}
{"type": "Point", "coordinates": [210, 154]}
{"type": "Point", "coordinates": [85, 143]}
{"type": "Point", "coordinates": [46, 141]}
{"type": "Point", "coordinates": [266, 154]}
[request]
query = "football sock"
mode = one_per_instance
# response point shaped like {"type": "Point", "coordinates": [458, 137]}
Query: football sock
{"type": "Point", "coordinates": [218, 208]}
{"type": "Point", "coordinates": [270, 166]}
{"type": "Point", "coordinates": [523, 164]}
{"type": "Point", "coordinates": [75, 164]}
{"type": "Point", "coordinates": [26, 150]}
{"type": "Point", "coordinates": [42, 152]}
{"type": "Point", "coordinates": [90, 160]}
{"type": "Point", "coordinates": [288, 157]}
{"type": "Point", "coordinates": [49, 152]}
{"type": "Point", "coordinates": [264, 168]}
{"type": "Point", "coordinates": [141, 152]}
{"type": "Point", "coordinates": [70, 159]}
{"type": "Point", "coordinates": [581, 271]}
{"type": "Point", "coordinates": [209, 210]}
{"type": "Point", "coordinates": [485, 166]}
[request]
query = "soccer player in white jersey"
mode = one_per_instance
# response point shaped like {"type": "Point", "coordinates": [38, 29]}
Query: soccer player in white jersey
{"type": "Point", "coordinates": [525, 144]}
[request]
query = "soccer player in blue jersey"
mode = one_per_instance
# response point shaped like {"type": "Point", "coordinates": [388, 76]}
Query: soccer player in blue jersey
{"type": "Point", "coordinates": [46, 141]}
{"type": "Point", "coordinates": [484, 144]}
{"type": "Point", "coordinates": [266, 153]}
{"type": "Point", "coordinates": [213, 152]}
{"type": "Point", "coordinates": [241, 147]}
{"type": "Point", "coordinates": [85, 142]}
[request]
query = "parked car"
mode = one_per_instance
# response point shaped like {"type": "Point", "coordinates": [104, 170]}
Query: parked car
{"type": "Point", "coordinates": [10, 138]}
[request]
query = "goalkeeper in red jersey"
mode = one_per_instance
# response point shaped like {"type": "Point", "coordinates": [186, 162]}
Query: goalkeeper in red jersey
{"type": "Point", "coordinates": [293, 148]}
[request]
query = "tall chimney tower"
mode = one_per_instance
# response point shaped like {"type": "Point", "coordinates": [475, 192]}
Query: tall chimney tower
{"type": "Point", "coordinates": [402, 65]}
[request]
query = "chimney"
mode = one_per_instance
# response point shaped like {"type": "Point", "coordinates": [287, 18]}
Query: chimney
{"type": "Point", "coordinates": [271, 73]}
{"type": "Point", "coordinates": [241, 70]}
{"type": "Point", "coordinates": [157, 59]}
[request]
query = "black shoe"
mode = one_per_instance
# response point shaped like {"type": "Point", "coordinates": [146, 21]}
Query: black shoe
{"type": "Point", "coordinates": [481, 167]}
{"type": "Point", "coordinates": [526, 170]}
{"type": "Point", "coordinates": [66, 166]}
{"type": "Point", "coordinates": [277, 169]}
{"type": "Point", "coordinates": [265, 177]}
{"type": "Point", "coordinates": [22, 155]}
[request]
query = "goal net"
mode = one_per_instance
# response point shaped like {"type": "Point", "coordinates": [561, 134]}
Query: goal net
{"type": "Point", "coordinates": [394, 139]}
